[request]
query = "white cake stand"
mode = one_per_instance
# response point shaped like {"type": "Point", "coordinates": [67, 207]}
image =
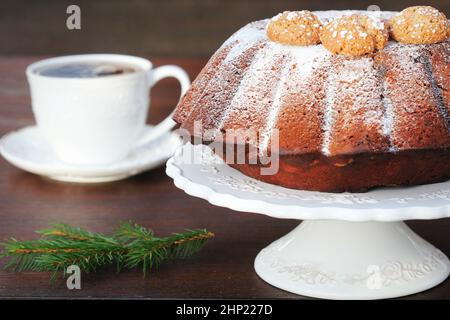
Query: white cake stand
{"type": "Point", "coordinates": [350, 246]}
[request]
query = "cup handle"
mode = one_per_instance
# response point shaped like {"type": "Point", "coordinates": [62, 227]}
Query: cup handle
{"type": "Point", "coordinates": [167, 124]}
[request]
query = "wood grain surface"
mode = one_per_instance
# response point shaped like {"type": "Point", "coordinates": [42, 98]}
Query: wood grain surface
{"type": "Point", "coordinates": [223, 269]}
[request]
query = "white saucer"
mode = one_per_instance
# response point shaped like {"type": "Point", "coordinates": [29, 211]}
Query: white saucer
{"type": "Point", "coordinates": [28, 150]}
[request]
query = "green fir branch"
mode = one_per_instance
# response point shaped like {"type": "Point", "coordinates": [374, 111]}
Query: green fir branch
{"type": "Point", "coordinates": [129, 247]}
{"type": "Point", "coordinates": [150, 253]}
{"type": "Point", "coordinates": [129, 231]}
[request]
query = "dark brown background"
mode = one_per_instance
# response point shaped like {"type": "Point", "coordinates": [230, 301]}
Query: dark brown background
{"type": "Point", "coordinates": [163, 28]}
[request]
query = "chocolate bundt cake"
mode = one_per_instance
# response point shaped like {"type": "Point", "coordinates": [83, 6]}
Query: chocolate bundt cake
{"type": "Point", "coordinates": [350, 114]}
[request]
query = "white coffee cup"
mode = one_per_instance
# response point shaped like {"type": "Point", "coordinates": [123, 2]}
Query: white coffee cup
{"type": "Point", "coordinates": [98, 120]}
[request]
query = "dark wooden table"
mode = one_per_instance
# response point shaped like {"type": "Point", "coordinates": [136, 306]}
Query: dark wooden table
{"type": "Point", "coordinates": [223, 269]}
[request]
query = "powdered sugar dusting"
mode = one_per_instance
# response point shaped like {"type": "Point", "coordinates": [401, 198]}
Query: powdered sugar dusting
{"type": "Point", "coordinates": [292, 15]}
{"type": "Point", "coordinates": [408, 70]}
{"type": "Point", "coordinates": [304, 60]}
{"type": "Point", "coordinates": [245, 38]}
{"type": "Point", "coordinates": [328, 117]}
{"type": "Point", "coordinates": [388, 118]}
{"type": "Point", "coordinates": [353, 104]}
{"type": "Point", "coordinates": [360, 79]}
{"type": "Point", "coordinates": [377, 17]}
{"type": "Point", "coordinates": [428, 11]}
{"type": "Point", "coordinates": [414, 98]}
{"type": "Point", "coordinates": [251, 89]}
{"type": "Point", "coordinates": [277, 17]}
{"type": "Point", "coordinates": [275, 107]}
{"type": "Point", "coordinates": [308, 58]}
{"type": "Point", "coordinates": [249, 104]}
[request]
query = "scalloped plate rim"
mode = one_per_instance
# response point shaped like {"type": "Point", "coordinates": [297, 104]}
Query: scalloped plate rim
{"type": "Point", "coordinates": [265, 207]}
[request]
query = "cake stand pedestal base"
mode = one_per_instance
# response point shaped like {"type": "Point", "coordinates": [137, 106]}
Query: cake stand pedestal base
{"type": "Point", "coordinates": [352, 260]}
{"type": "Point", "coordinates": [350, 245]}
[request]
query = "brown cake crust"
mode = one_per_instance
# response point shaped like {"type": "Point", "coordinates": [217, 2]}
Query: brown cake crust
{"type": "Point", "coordinates": [355, 173]}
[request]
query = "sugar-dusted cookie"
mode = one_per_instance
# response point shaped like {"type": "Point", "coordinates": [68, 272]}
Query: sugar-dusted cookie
{"type": "Point", "coordinates": [420, 25]}
{"type": "Point", "coordinates": [300, 28]}
{"type": "Point", "coordinates": [354, 35]}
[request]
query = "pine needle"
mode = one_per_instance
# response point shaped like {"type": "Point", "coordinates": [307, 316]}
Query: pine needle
{"type": "Point", "coordinates": [130, 246]}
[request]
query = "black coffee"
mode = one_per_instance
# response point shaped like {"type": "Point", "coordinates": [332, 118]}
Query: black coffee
{"type": "Point", "coordinates": [85, 70]}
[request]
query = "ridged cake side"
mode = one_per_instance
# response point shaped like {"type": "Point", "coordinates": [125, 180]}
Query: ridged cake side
{"type": "Point", "coordinates": [396, 99]}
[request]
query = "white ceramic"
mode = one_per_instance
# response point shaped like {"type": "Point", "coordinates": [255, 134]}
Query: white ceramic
{"type": "Point", "coordinates": [29, 150]}
{"type": "Point", "coordinates": [352, 246]}
{"type": "Point", "coordinates": [352, 260]}
{"type": "Point", "coordinates": [97, 121]}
